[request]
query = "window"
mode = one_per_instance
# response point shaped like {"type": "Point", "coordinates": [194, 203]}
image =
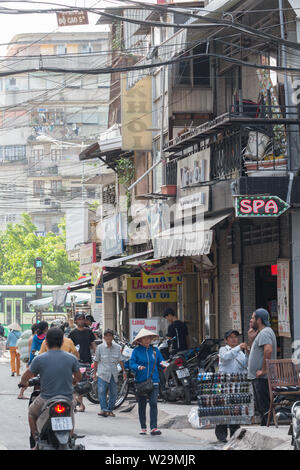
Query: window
{"type": "Point", "coordinates": [76, 191]}
{"type": "Point", "coordinates": [38, 154]}
{"type": "Point", "coordinates": [195, 71]}
{"type": "Point", "coordinates": [55, 155]}
{"type": "Point", "coordinates": [38, 188]}
{"type": "Point", "coordinates": [56, 187]}
{"type": "Point", "coordinates": [61, 49]}
{"type": "Point", "coordinates": [12, 153]}
{"type": "Point", "coordinates": [86, 48]}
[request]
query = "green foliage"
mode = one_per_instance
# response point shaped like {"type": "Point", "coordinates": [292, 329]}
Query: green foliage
{"type": "Point", "coordinates": [19, 246]}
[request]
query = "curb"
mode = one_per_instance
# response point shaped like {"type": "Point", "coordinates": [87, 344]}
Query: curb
{"type": "Point", "coordinates": [248, 439]}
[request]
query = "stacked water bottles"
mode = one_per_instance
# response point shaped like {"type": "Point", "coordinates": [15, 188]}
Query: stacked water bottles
{"type": "Point", "coordinates": [224, 398]}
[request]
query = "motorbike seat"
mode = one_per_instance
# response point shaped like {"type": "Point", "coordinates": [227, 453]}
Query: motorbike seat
{"type": "Point", "coordinates": [287, 389]}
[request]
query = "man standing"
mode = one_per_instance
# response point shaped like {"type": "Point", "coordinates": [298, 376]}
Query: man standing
{"type": "Point", "coordinates": [108, 356]}
{"type": "Point", "coordinates": [263, 344]}
{"type": "Point", "coordinates": [232, 361]}
{"type": "Point", "coordinates": [84, 341]}
{"type": "Point", "coordinates": [178, 330]}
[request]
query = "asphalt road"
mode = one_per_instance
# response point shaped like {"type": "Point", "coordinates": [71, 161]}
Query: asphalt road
{"type": "Point", "coordinates": [119, 433]}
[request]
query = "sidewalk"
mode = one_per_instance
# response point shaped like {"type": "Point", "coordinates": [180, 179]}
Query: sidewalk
{"type": "Point", "coordinates": [175, 416]}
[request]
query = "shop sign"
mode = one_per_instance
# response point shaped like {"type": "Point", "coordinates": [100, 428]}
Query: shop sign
{"type": "Point", "coordinates": [87, 257]}
{"type": "Point", "coordinates": [259, 206]}
{"type": "Point", "coordinates": [136, 324]}
{"type": "Point", "coordinates": [283, 279]}
{"type": "Point", "coordinates": [195, 175]}
{"type": "Point", "coordinates": [137, 114]}
{"type": "Point", "coordinates": [235, 302]}
{"type": "Point", "coordinates": [112, 236]}
{"type": "Point", "coordinates": [152, 275]}
{"type": "Point", "coordinates": [136, 292]}
{"type": "Point", "coordinates": [72, 18]}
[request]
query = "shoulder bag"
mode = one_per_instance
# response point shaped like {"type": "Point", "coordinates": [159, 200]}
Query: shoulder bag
{"type": "Point", "coordinates": [146, 387]}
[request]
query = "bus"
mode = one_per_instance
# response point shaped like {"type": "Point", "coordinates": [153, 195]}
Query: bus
{"type": "Point", "coordinates": [14, 306]}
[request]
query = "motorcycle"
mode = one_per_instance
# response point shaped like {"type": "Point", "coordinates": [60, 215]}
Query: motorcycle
{"type": "Point", "coordinates": [87, 386]}
{"type": "Point", "coordinates": [54, 424]}
{"type": "Point", "coordinates": [295, 426]}
{"type": "Point", "coordinates": [179, 380]}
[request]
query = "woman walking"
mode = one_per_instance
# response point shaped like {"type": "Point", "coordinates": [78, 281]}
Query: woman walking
{"type": "Point", "coordinates": [145, 361]}
{"type": "Point", "coordinates": [38, 339]}
{"type": "Point", "coordinates": [11, 344]}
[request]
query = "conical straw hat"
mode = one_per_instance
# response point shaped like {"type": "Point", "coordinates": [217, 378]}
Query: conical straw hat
{"type": "Point", "coordinates": [143, 333]}
{"type": "Point", "coordinates": [15, 326]}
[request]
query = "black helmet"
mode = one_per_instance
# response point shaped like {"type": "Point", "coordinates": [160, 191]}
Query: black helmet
{"type": "Point", "coordinates": [82, 388]}
{"type": "Point", "coordinates": [79, 315]}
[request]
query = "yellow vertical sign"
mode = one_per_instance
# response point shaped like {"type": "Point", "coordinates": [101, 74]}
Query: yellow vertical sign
{"type": "Point", "coordinates": [137, 114]}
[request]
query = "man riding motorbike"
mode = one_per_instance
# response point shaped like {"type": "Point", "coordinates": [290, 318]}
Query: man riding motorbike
{"type": "Point", "coordinates": [58, 372]}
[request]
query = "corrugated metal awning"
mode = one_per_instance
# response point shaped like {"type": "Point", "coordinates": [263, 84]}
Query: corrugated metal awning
{"type": "Point", "coordinates": [188, 239]}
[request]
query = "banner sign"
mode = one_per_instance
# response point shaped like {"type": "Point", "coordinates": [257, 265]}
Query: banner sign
{"type": "Point", "coordinates": [259, 206]}
{"type": "Point", "coordinates": [235, 302]}
{"type": "Point", "coordinates": [283, 279]}
{"type": "Point", "coordinates": [136, 324]}
{"type": "Point", "coordinates": [137, 114]}
{"type": "Point", "coordinates": [136, 292]}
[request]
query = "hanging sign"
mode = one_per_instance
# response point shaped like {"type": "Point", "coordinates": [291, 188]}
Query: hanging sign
{"type": "Point", "coordinates": [136, 292]}
{"type": "Point", "coordinates": [235, 298]}
{"type": "Point", "coordinates": [72, 18]}
{"type": "Point", "coordinates": [152, 275]}
{"type": "Point", "coordinates": [259, 206]}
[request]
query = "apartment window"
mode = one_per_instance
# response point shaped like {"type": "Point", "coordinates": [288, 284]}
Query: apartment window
{"type": "Point", "coordinates": [56, 187]}
{"type": "Point", "coordinates": [38, 154]}
{"type": "Point", "coordinates": [194, 71]}
{"type": "Point", "coordinates": [38, 188]}
{"type": "Point", "coordinates": [12, 152]}
{"type": "Point", "coordinates": [86, 48]}
{"type": "Point", "coordinates": [55, 155]}
{"type": "Point", "coordinates": [76, 191]}
{"type": "Point", "coordinates": [61, 49]}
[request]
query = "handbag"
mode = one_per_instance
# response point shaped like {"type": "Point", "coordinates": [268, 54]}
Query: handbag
{"type": "Point", "coordinates": [146, 387]}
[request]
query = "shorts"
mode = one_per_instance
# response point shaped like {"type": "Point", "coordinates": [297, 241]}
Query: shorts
{"type": "Point", "coordinates": [37, 405]}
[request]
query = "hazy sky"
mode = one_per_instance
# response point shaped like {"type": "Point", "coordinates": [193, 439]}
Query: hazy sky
{"type": "Point", "coordinates": [40, 23]}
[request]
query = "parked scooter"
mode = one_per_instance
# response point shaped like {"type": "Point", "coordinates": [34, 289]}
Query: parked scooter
{"type": "Point", "coordinates": [87, 387]}
{"type": "Point", "coordinates": [54, 424]}
{"type": "Point", "coordinates": [295, 426]}
{"type": "Point", "coordinates": [179, 380]}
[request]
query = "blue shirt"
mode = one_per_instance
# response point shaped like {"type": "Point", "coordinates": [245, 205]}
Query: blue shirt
{"type": "Point", "coordinates": [12, 338]}
{"type": "Point", "coordinates": [232, 360]}
{"type": "Point", "coordinates": [35, 346]}
{"type": "Point", "coordinates": [142, 356]}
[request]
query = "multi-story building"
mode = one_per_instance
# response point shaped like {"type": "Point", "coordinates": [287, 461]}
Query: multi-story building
{"type": "Point", "coordinates": [224, 134]}
{"type": "Point", "coordinates": [46, 120]}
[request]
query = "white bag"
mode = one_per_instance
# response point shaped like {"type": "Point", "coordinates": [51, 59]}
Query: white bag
{"type": "Point", "coordinates": [193, 418]}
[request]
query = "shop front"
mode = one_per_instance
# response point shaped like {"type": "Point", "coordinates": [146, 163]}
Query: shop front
{"type": "Point", "coordinates": [254, 271]}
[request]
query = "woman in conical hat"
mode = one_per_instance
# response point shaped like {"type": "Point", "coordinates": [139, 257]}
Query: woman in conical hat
{"type": "Point", "coordinates": [14, 327]}
{"type": "Point", "coordinates": [144, 333]}
{"type": "Point", "coordinates": [11, 343]}
{"type": "Point", "coordinates": [145, 361]}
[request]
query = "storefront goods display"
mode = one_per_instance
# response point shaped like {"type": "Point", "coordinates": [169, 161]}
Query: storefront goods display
{"type": "Point", "coordinates": [224, 398]}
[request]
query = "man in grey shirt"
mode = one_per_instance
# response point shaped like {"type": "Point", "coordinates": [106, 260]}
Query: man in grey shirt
{"type": "Point", "coordinates": [263, 346]}
{"type": "Point", "coordinates": [58, 370]}
{"type": "Point", "coordinates": [108, 356]}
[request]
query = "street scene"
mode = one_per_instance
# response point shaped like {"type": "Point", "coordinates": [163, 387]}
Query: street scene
{"type": "Point", "coordinates": [150, 227]}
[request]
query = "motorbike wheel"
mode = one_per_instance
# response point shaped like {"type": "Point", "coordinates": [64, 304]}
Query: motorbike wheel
{"type": "Point", "coordinates": [92, 396]}
{"type": "Point", "coordinates": [122, 394]}
{"type": "Point", "coordinates": [187, 396]}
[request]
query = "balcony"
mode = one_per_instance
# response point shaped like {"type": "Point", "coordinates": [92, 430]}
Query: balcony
{"type": "Point", "coordinates": [246, 141]}
{"type": "Point", "coordinates": [39, 171]}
